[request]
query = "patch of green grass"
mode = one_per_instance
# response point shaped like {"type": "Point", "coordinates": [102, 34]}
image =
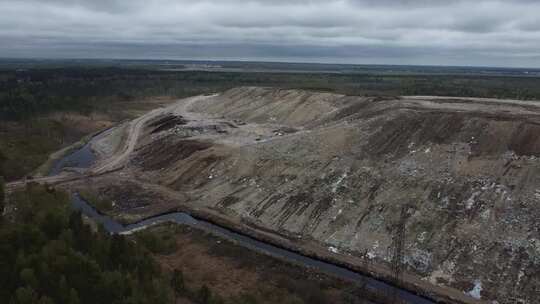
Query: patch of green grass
{"type": "Point", "coordinates": [26, 146]}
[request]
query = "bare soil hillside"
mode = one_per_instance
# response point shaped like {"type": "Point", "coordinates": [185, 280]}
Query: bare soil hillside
{"type": "Point", "coordinates": [335, 171]}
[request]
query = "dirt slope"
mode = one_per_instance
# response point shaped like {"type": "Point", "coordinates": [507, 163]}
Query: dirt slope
{"type": "Point", "coordinates": [336, 170]}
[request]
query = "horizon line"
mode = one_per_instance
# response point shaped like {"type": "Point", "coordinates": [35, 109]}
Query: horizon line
{"type": "Point", "coordinates": [277, 61]}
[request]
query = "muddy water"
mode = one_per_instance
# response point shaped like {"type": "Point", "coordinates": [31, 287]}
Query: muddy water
{"type": "Point", "coordinates": [81, 158]}
{"type": "Point", "coordinates": [84, 158]}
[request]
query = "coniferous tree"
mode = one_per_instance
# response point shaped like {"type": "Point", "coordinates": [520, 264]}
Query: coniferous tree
{"type": "Point", "coordinates": [68, 262]}
{"type": "Point", "coordinates": [25, 295]}
{"type": "Point", "coordinates": [73, 297]}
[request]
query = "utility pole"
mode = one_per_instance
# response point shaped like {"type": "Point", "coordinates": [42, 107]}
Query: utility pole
{"type": "Point", "coordinates": [2, 196]}
{"type": "Point", "coordinates": [398, 247]}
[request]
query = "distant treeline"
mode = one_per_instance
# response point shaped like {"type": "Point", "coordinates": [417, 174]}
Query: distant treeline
{"type": "Point", "coordinates": [26, 93]}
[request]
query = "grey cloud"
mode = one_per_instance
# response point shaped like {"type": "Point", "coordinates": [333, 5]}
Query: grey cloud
{"type": "Point", "coordinates": [492, 32]}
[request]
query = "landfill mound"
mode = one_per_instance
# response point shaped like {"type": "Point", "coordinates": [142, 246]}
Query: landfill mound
{"type": "Point", "coordinates": [461, 175]}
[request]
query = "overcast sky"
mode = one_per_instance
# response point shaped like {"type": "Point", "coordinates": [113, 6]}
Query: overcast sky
{"type": "Point", "coordinates": [449, 32]}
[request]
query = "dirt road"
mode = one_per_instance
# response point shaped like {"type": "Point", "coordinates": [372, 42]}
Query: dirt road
{"type": "Point", "coordinates": [134, 132]}
{"type": "Point", "coordinates": [116, 161]}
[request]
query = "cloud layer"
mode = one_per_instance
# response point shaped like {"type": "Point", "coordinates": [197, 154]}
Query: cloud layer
{"type": "Point", "coordinates": [451, 32]}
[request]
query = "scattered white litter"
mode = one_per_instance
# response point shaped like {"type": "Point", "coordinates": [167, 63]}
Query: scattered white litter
{"type": "Point", "coordinates": [486, 214]}
{"type": "Point", "coordinates": [521, 274]}
{"type": "Point", "coordinates": [537, 194]}
{"type": "Point", "coordinates": [338, 182]}
{"type": "Point", "coordinates": [333, 249]}
{"type": "Point", "coordinates": [422, 237]}
{"type": "Point", "coordinates": [338, 213]}
{"type": "Point", "coordinates": [470, 202]}
{"type": "Point", "coordinates": [477, 290]}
